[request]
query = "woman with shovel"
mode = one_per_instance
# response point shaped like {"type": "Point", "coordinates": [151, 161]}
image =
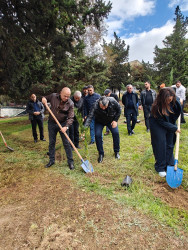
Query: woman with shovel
{"type": "Point", "coordinates": [164, 113]}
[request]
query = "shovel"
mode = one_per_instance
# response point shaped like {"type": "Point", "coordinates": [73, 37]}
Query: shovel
{"type": "Point", "coordinates": [86, 165]}
{"type": "Point", "coordinates": [174, 174]}
{"type": "Point", "coordinates": [11, 149]}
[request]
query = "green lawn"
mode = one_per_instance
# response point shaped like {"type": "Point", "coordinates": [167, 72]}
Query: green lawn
{"type": "Point", "coordinates": [148, 193]}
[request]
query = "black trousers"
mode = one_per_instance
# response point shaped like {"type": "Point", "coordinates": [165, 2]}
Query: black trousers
{"type": "Point", "coordinates": [131, 117]}
{"type": "Point", "coordinates": [74, 133]}
{"type": "Point", "coordinates": [36, 120]}
{"type": "Point", "coordinates": [53, 129]}
{"type": "Point", "coordinates": [162, 144]}
{"type": "Point", "coordinates": [182, 114]}
{"type": "Point", "coordinates": [147, 112]}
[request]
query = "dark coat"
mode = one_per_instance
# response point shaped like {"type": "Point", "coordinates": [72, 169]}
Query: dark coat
{"type": "Point", "coordinates": [115, 96]}
{"type": "Point", "coordinates": [143, 96]}
{"type": "Point", "coordinates": [78, 105]}
{"type": "Point", "coordinates": [112, 113]}
{"type": "Point", "coordinates": [125, 102]}
{"type": "Point", "coordinates": [89, 101]}
{"type": "Point", "coordinates": [30, 109]}
{"type": "Point", "coordinates": [168, 121]}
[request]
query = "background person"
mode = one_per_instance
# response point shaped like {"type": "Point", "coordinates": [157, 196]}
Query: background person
{"type": "Point", "coordinates": [181, 93]}
{"type": "Point", "coordinates": [35, 109]}
{"type": "Point", "coordinates": [74, 128]}
{"type": "Point", "coordinates": [106, 112]}
{"type": "Point", "coordinates": [164, 113]}
{"type": "Point", "coordinates": [63, 109]}
{"type": "Point", "coordinates": [130, 100]}
{"type": "Point", "coordinates": [147, 98]}
{"type": "Point", "coordinates": [89, 102]}
{"type": "Point", "coordinates": [109, 93]}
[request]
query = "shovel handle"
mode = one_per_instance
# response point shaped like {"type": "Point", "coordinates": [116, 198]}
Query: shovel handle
{"type": "Point", "coordinates": [177, 145]}
{"type": "Point", "coordinates": [3, 139]}
{"type": "Point", "coordinates": [75, 149]}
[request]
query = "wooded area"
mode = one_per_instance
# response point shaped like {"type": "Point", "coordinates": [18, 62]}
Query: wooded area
{"type": "Point", "coordinates": [46, 45]}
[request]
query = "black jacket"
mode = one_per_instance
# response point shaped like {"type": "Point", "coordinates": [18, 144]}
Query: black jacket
{"type": "Point", "coordinates": [134, 99]}
{"type": "Point", "coordinates": [168, 121]}
{"type": "Point", "coordinates": [112, 113]}
{"type": "Point", "coordinates": [78, 105]}
{"type": "Point", "coordinates": [143, 96]}
{"type": "Point", "coordinates": [30, 109]}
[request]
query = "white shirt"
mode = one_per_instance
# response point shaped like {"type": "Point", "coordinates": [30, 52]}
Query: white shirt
{"type": "Point", "coordinates": [180, 92]}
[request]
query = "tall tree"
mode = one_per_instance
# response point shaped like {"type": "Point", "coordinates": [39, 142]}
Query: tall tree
{"type": "Point", "coordinates": [37, 38]}
{"type": "Point", "coordinates": [119, 68]}
{"type": "Point", "coordinates": [174, 54]}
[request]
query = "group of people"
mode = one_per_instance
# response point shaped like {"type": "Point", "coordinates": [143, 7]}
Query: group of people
{"type": "Point", "coordinates": [160, 112]}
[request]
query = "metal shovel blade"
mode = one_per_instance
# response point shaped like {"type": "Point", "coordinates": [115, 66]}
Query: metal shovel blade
{"type": "Point", "coordinates": [11, 149]}
{"type": "Point", "coordinates": [174, 177]}
{"type": "Point", "coordinates": [87, 167]}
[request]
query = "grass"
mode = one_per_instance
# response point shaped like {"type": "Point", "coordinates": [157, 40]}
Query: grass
{"type": "Point", "coordinates": [136, 161]}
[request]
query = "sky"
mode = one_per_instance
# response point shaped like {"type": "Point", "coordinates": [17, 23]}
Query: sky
{"type": "Point", "coordinates": [143, 24]}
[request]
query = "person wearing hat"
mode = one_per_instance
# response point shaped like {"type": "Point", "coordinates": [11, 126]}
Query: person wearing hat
{"type": "Point", "coordinates": [106, 112]}
{"type": "Point", "coordinates": [109, 93]}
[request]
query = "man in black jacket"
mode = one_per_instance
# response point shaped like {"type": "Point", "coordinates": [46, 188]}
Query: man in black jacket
{"type": "Point", "coordinates": [106, 112]}
{"type": "Point", "coordinates": [35, 109]}
{"type": "Point", "coordinates": [130, 101]}
{"type": "Point", "coordinates": [147, 97]}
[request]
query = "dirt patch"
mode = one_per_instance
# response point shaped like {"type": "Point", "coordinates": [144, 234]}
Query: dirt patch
{"type": "Point", "coordinates": [176, 198]}
{"type": "Point", "coordinates": [48, 212]}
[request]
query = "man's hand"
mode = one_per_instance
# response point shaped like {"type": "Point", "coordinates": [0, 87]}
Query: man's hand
{"type": "Point", "coordinates": [140, 107]}
{"type": "Point", "coordinates": [114, 124]}
{"type": "Point", "coordinates": [44, 101]}
{"type": "Point", "coordinates": [178, 131]}
{"type": "Point", "coordinates": [64, 129]}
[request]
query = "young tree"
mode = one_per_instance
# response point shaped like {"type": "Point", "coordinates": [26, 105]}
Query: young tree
{"type": "Point", "coordinates": [119, 66]}
{"type": "Point", "coordinates": [174, 54]}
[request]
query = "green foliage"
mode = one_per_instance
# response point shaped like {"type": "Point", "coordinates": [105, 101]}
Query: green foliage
{"type": "Point", "coordinates": [174, 54]}
{"type": "Point", "coordinates": [37, 39]}
{"type": "Point", "coordinates": [118, 71]}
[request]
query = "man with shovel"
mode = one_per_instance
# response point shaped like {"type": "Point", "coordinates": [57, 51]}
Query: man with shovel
{"type": "Point", "coordinates": [106, 112]}
{"type": "Point", "coordinates": [63, 109]}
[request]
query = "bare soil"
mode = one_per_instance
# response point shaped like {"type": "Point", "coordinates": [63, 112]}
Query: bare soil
{"type": "Point", "coordinates": [44, 210]}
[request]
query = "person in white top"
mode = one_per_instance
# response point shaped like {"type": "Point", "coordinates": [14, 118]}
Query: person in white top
{"type": "Point", "coordinates": [180, 92]}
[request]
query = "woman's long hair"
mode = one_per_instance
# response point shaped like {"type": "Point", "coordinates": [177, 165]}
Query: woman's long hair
{"type": "Point", "coordinates": [161, 104]}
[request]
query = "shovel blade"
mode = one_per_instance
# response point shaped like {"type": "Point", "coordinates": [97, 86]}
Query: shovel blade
{"type": "Point", "coordinates": [87, 167]}
{"type": "Point", "coordinates": [174, 177]}
{"type": "Point", "coordinates": [11, 149]}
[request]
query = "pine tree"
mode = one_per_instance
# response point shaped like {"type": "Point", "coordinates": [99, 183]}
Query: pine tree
{"type": "Point", "coordinates": [174, 54]}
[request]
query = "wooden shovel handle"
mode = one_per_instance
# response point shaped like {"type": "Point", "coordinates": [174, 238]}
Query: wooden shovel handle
{"type": "Point", "coordinates": [75, 149]}
{"type": "Point", "coordinates": [3, 139]}
{"type": "Point", "coordinates": [177, 144]}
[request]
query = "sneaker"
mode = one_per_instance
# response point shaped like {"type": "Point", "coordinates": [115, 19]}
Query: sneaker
{"type": "Point", "coordinates": [162, 174]}
{"type": "Point", "coordinates": [107, 133]}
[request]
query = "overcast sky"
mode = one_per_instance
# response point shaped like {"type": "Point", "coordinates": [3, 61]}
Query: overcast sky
{"type": "Point", "coordinates": [143, 24]}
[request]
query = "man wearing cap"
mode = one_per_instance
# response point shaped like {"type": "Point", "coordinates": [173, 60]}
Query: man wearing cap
{"type": "Point", "coordinates": [109, 93]}
{"type": "Point", "coordinates": [106, 112]}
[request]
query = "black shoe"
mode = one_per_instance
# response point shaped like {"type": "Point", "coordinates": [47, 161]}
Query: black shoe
{"type": "Point", "coordinates": [130, 133]}
{"type": "Point", "coordinates": [35, 141]}
{"type": "Point", "coordinates": [91, 142]}
{"type": "Point", "coordinates": [125, 121]}
{"type": "Point", "coordinates": [133, 132]}
{"type": "Point", "coordinates": [148, 130]}
{"type": "Point", "coordinates": [78, 146]}
{"type": "Point", "coordinates": [43, 139]}
{"type": "Point", "coordinates": [71, 166]}
{"type": "Point", "coordinates": [100, 159]}
{"type": "Point", "coordinates": [183, 121]}
{"type": "Point", "coordinates": [138, 121]}
{"type": "Point", "coordinates": [117, 156]}
{"type": "Point", "coordinates": [50, 163]}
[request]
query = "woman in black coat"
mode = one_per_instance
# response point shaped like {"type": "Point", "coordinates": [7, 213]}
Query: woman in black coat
{"type": "Point", "coordinates": [164, 113]}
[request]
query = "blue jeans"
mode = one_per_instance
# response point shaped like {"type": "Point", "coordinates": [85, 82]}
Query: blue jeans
{"type": "Point", "coordinates": [92, 130]}
{"type": "Point", "coordinates": [99, 139]}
